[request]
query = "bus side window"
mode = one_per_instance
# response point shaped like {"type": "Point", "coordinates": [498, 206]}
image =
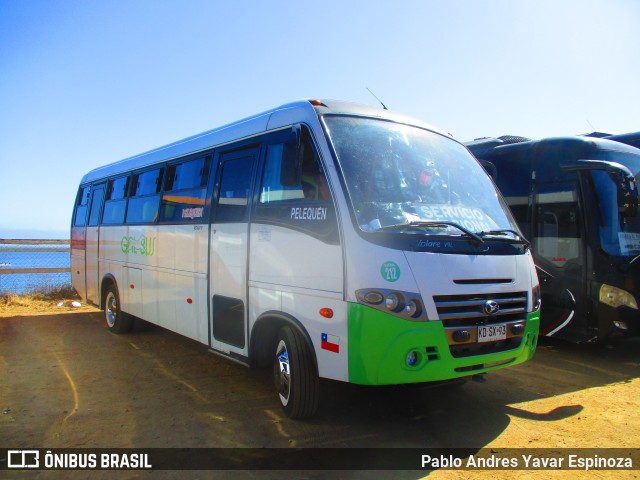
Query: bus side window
{"type": "Point", "coordinates": [558, 232]}
{"type": "Point", "coordinates": [145, 201]}
{"type": "Point", "coordinates": [185, 191]}
{"type": "Point", "coordinates": [96, 204]}
{"type": "Point", "coordinates": [235, 184]}
{"type": "Point", "coordinates": [312, 185]}
{"type": "Point", "coordinates": [116, 203]}
{"type": "Point", "coordinates": [314, 182]}
{"type": "Point", "coordinates": [80, 216]}
{"type": "Point", "coordinates": [273, 189]}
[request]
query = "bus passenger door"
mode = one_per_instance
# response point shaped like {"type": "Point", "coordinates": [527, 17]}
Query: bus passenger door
{"type": "Point", "coordinates": [92, 245]}
{"type": "Point", "coordinates": [229, 248]}
{"type": "Point", "coordinates": [559, 256]}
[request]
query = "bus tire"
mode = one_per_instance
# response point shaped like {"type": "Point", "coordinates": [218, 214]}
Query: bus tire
{"type": "Point", "coordinates": [295, 375]}
{"type": "Point", "coordinates": [117, 320]}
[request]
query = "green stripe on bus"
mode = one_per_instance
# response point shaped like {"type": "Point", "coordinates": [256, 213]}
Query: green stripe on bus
{"type": "Point", "coordinates": [380, 342]}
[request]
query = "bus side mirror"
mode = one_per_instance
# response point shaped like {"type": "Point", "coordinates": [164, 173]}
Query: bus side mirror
{"type": "Point", "coordinates": [292, 155]}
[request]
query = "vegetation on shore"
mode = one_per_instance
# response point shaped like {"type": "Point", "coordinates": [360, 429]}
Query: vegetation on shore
{"type": "Point", "coordinates": [61, 298]}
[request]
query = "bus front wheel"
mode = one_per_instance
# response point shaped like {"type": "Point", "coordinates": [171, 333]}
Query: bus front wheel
{"type": "Point", "coordinates": [117, 321]}
{"type": "Point", "coordinates": [294, 374]}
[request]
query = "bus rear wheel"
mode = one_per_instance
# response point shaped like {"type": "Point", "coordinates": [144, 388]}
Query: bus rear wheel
{"type": "Point", "coordinates": [117, 321]}
{"type": "Point", "coordinates": [294, 374]}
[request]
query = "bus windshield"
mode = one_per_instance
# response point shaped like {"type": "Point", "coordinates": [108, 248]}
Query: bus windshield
{"type": "Point", "coordinates": [619, 235]}
{"type": "Point", "coordinates": [399, 177]}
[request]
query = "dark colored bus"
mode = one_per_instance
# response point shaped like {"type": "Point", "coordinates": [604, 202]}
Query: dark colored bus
{"type": "Point", "coordinates": [632, 138]}
{"type": "Point", "coordinates": [576, 199]}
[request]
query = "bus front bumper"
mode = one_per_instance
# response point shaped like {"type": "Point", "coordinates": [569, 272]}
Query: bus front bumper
{"type": "Point", "coordinates": [387, 350]}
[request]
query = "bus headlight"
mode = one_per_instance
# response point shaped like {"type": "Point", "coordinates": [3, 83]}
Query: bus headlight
{"type": "Point", "coordinates": [393, 301]}
{"type": "Point", "coordinates": [616, 297]}
{"type": "Point", "coordinates": [413, 308]}
{"type": "Point", "coordinates": [407, 305]}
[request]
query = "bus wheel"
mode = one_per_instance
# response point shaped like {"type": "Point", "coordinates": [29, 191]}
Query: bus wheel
{"type": "Point", "coordinates": [294, 374]}
{"type": "Point", "coordinates": [117, 321]}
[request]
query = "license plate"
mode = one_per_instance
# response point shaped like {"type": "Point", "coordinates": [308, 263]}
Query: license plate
{"type": "Point", "coordinates": [491, 333]}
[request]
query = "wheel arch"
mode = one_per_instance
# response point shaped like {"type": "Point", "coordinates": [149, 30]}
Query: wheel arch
{"type": "Point", "coordinates": [264, 337]}
{"type": "Point", "coordinates": [107, 281]}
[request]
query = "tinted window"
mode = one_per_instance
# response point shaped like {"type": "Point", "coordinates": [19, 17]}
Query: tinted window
{"type": "Point", "coordinates": [513, 171]}
{"type": "Point", "coordinates": [311, 186]}
{"type": "Point", "coordinates": [557, 230]}
{"type": "Point", "coordinates": [143, 206]}
{"type": "Point", "coordinates": [272, 189]}
{"type": "Point", "coordinates": [96, 203]}
{"type": "Point", "coordinates": [294, 191]}
{"type": "Point", "coordinates": [183, 206]}
{"type": "Point", "coordinates": [143, 209]}
{"type": "Point", "coordinates": [81, 207]}
{"type": "Point", "coordinates": [118, 188]}
{"type": "Point", "coordinates": [147, 183]}
{"type": "Point", "coordinates": [186, 175]}
{"type": "Point", "coordinates": [116, 204]}
{"type": "Point", "coordinates": [234, 189]}
{"type": "Point", "coordinates": [185, 192]}
{"type": "Point", "coordinates": [114, 212]}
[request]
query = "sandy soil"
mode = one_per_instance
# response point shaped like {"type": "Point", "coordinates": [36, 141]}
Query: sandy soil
{"type": "Point", "coordinates": [68, 382]}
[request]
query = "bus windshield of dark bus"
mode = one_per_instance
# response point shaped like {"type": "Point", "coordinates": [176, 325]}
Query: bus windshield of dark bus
{"type": "Point", "coordinates": [619, 234]}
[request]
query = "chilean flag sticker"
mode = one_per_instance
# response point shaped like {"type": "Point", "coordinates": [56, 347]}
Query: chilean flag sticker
{"type": "Point", "coordinates": [330, 342]}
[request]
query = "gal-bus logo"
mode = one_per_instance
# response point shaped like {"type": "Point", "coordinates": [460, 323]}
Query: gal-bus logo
{"type": "Point", "coordinates": [141, 246]}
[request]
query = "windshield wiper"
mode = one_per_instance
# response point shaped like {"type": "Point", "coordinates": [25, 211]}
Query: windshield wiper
{"type": "Point", "coordinates": [422, 224]}
{"type": "Point", "coordinates": [505, 232]}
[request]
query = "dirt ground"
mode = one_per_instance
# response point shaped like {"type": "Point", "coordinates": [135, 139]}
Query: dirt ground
{"type": "Point", "coordinates": [68, 382]}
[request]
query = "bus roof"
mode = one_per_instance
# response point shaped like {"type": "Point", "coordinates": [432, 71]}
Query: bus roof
{"type": "Point", "coordinates": [484, 147]}
{"type": "Point", "coordinates": [632, 138]}
{"type": "Point", "coordinates": [302, 111]}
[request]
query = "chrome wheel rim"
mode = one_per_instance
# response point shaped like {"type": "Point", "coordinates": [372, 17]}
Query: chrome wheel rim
{"type": "Point", "coordinates": [111, 309]}
{"type": "Point", "coordinates": [283, 380]}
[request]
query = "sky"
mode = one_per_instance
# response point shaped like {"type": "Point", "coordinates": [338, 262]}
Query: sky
{"type": "Point", "coordinates": [84, 83]}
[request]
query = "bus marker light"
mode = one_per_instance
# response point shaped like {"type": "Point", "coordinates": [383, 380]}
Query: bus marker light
{"type": "Point", "coordinates": [132, 286]}
{"type": "Point", "coordinates": [189, 301]}
{"type": "Point", "coordinates": [326, 312]}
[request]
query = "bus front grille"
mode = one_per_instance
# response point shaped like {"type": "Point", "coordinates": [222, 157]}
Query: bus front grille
{"type": "Point", "coordinates": [464, 316]}
{"type": "Point", "coordinates": [471, 310]}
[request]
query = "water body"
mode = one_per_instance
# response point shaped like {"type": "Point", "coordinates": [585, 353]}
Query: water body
{"type": "Point", "coordinates": [23, 283]}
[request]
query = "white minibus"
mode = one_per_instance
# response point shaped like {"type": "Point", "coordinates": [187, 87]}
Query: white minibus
{"type": "Point", "coordinates": [327, 239]}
